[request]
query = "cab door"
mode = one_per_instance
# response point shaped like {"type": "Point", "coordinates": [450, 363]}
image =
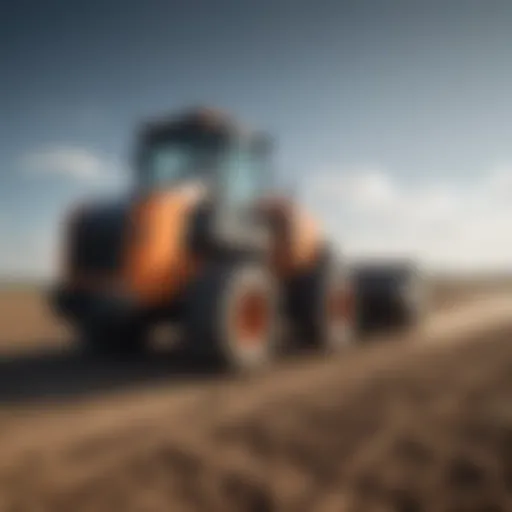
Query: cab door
{"type": "Point", "coordinates": [244, 178]}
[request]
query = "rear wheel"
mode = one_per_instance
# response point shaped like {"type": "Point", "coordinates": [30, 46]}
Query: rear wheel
{"type": "Point", "coordinates": [231, 316]}
{"type": "Point", "coordinates": [113, 341]}
{"type": "Point", "coordinates": [322, 306]}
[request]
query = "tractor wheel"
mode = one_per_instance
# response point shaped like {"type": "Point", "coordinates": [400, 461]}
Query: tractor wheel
{"type": "Point", "coordinates": [415, 306]}
{"type": "Point", "coordinates": [231, 316]}
{"type": "Point", "coordinates": [413, 316]}
{"type": "Point", "coordinates": [322, 306]}
{"type": "Point", "coordinates": [112, 342]}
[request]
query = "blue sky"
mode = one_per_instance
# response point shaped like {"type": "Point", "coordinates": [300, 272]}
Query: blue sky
{"type": "Point", "coordinates": [396, 116]}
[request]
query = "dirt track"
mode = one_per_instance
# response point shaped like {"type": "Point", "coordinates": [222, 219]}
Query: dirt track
{"type": "Point", "coordinates": [401, 423]}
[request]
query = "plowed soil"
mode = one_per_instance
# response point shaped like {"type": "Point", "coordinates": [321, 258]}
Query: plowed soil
{"type": "Point", "coordinates": [413, 423]}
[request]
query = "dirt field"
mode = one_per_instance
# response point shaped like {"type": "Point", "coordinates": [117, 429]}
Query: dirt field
{"type": "Point", "coordinates": [26, 321]}
{"type": "Point", "coordinates": [404, 425]}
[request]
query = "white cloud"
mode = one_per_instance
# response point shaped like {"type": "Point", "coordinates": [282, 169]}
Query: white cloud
{"type": "Point", "coordinates": [443, 223]}
{"type": "Point", "coordinates": [499, 183]}
{"type": "Point", "coordinates": [31, 249]}
{"type": "Point", "coordinates": [71, 161]}
{"type": "Point", "coordinates": [363, 187]}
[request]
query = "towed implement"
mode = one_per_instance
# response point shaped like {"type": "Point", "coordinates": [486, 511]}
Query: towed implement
{"type": "Point", "coordinates": [393, 294]}
{"type": "Point", "coordinates": [204, 243]}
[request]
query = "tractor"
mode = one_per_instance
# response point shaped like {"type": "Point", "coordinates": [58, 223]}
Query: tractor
{"type": "Point", "coordinates": [203, 242]}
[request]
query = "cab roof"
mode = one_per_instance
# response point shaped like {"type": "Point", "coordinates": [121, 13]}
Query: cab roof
{"type": "Point", "coordinates": [205, 117]}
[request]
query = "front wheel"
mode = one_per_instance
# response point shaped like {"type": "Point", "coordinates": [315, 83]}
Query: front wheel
{"type": "Point", "coordinates": [232, 315]}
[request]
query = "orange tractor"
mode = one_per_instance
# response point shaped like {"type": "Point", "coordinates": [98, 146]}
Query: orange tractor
{"type": "Point", "coordinates": [203, 242]}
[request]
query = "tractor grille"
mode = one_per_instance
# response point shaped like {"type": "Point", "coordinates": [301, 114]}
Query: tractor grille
{"type": "Point", "coordinates": [97, 243]}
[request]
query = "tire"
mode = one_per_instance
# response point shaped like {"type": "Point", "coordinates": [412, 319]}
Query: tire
{"type": "Point", "coordinates": [416, 304]}
{"type": "Point", "coordinates": [219, 323]}
{"type": "Point", "coordinates": [414, 313]}
{"type": "Point", "coordinates": [312, 296]}
{"type": "Point", "coordinates": [112, 342]}
{"type": "Point", "coordinates": [398, 303]}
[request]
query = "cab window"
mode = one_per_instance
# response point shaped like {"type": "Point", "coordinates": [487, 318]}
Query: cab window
{"type": "Point", "coordinates": [243, 176]}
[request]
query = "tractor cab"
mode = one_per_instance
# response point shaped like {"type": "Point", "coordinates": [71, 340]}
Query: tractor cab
{"type": "Point", "coordinates": [208, 147]}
